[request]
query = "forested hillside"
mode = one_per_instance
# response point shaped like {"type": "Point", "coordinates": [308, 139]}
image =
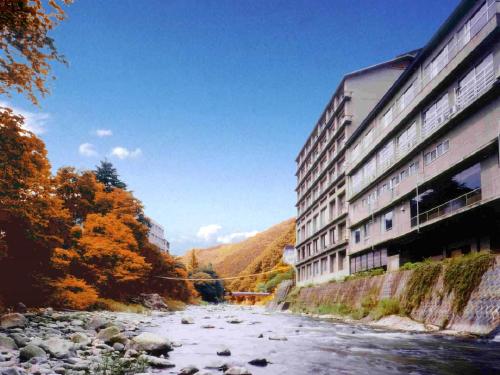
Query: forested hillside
{"type": "Point", "coordinates": [256, 254]}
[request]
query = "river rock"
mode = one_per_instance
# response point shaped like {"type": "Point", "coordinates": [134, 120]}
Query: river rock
{"type": "Point", "coordinates": [21, 308]}
{"type": "Point", "coordinates": [119, 347]}
{"type": "Point", "coordinates": [151, 343]}
{"type": "Point", "coordinates": [187, 320]}
{"type": "Point", "coordinates": [31, 351]}
{"type": "Point", "coordinates": [190, 370]}
{"type": "Point", "coordinates": [13, 320]}
{"type": "Point", "coordinates": [106, 334]}
{"type": "Point", "coordinates": [81, 339]}
{"type": "Point", "coordinates": [235, 321]}
{"type": "Point", "coordinates": [224, 352]}
{"type": "Point", "coordinates": [58, 347]}
{"type": "Point", "coordinates": [158, 362]}
{"type": "Point", "coordinates": [7, 343]}
{"type": "Point", "coordinates": [20, 339]}
{"type": "Point", "coordinates": [278, 338]}
{"type": "Point", "coordinates": [12, 371]}
{"type": "Point", "coordinates": [261, 362]}
{"type": "Point", "coordinates": [207, 326]}
{"type": "Point", "coordinates": [236, 370]}
{"type": "Point", "coordinates": [98, 322]}
{"type": "Point", "coordinates": [153, 301]}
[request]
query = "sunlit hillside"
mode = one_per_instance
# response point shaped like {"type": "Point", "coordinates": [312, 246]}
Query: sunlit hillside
{"type": "Point", "coordinates": [233, 259]}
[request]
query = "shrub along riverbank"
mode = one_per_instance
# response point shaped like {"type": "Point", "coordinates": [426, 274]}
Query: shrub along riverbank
{"type": "Point", "coordinates": [432, 292]}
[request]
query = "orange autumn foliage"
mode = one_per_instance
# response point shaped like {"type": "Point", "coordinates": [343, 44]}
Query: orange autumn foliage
{"type": "Point", "coordinates": [73, 293]}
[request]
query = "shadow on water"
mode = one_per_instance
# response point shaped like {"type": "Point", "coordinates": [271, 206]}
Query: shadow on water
{"type": "Point", "coordinates": [314, 346]}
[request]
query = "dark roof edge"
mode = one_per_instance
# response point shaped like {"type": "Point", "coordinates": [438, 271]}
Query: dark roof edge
{"type": "Point", "coordinates": [444, 29]}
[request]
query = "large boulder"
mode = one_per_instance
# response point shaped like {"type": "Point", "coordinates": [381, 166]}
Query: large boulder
{"type": "Point", "coordinates": [31, 351]}
{"type": "Point", "coordinates": [98, 322]}
{"type": "Point", "coordinates": [158, 362]}
{"type": "Point", "coordinates": [7, 343]}
{"type": "Point", "coordinates": [58, 347]}
{"type": "Point", "coordinates": [153, 301]}
{"type": "Point", "coordinates": [107, 333]}
{"type": "Point", "coordinates": [151, 343]}
{"type": "Point", "coordinates": [13, 320]}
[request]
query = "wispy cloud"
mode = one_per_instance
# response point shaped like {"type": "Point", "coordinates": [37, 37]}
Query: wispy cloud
{"type": "Point", "coordinates": [103, 133]}
{"type": "Point", "coordinates": [35, 122]}
{"type": "Point", "coordinates": [208, 232]}
{"type": "Point", "coordinates": [88, 150]}
{"type": "Point", "coordinates": [211, 234]}
{"type": "Point", "coordinates": [235, 237]}
{"type": "Point", "coordinates": [125, 153]}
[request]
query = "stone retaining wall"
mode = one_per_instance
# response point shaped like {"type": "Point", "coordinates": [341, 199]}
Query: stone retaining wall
{"type": "Point", "coordinates": [480, 316]}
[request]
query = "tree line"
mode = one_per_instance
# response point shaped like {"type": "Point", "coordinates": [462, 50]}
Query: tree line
{"type": "Point", "coordinates": [71, 238]}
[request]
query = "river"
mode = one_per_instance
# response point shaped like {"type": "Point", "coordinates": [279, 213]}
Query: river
{"type": "Point", "coordinates": [315, 346]}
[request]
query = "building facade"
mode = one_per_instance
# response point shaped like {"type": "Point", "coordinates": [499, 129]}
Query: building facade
{"type": "Point", "coordinates": [322, 232]}
{"type": "Point", "coordinates": [156, 236]}
{"type": "Point", "coordinates": [421, 176]}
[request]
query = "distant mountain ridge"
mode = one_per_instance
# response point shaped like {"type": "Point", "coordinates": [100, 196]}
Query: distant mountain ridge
{"type": "Point", "coordinates": [254, 253]}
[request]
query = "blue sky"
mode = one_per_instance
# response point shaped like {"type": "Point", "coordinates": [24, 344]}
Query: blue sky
{"type": "Point", "coordinates": [208, 102]}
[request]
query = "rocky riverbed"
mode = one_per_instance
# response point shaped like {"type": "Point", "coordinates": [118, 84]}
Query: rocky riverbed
{"type": "Point", "coordinates": [48, 342]}
{"type": "Point", "coordinates": [229, 340]}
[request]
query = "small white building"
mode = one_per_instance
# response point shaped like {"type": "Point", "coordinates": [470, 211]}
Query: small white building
{"type": "Point", "coordinates": [156, 236]}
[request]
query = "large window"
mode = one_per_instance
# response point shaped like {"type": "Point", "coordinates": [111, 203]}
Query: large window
{"type": "Point", "coordinates": [447, 195]}
{"type": "Point", "coordinates": [436, 152]}
{"type": "Point", "coordinates": [407, 96]}
{"type": "Point", "coordinates": [475, 82]}
{"type": "Point", "coordinates": [369, 260]}
{"type": "Point", "coordinates": [356, 234]}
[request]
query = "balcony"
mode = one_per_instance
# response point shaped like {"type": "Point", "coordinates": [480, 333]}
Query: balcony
{"type": "Point", "coordinates": [447, 208]}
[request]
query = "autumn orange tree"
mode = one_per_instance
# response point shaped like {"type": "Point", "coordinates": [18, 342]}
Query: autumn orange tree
{"type": "Point", "coordinates": [26, 47]}
{"type": "Point", "coordinates": [32, 218]}
{"type": "Point", "coordinates": [107, 253]}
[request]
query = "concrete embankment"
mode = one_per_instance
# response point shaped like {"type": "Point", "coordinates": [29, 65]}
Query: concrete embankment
{"type": "Point", "coordinates": [452, 296]}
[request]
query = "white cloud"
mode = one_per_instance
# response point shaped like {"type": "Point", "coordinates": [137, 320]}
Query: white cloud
{"type": "Point", "coordinates": [87, 149]}
{"type": "Point", "coordinates": [103, 133]}
{"type": "Point", "coordinates": [208, 232]}
{"type": "Point", "coordinates": [34, 122]}
{"type": "Point", "coordinates": [235, 237]}
{"type": "Point", "coordinates": [124, 153]}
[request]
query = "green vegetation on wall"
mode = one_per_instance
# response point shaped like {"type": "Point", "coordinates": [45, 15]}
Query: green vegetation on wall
{"type": "Point", "coordinates": [419, 286]}
{"type": "Point", "coordinates": [463, 274]}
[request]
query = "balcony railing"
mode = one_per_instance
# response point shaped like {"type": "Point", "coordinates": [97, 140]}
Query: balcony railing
{"type": "Point", "coordinates": [468, 93]}
{"type": "Point", "coordinates": [449, 207]}
{"type": "Point", "coordinates": [455, 46]}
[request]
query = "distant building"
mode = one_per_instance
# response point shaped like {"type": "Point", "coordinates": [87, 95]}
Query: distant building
{"type": "Point", "coordinates": [156, 236]}
{"type": "Point", "coordinates": [289, 255]}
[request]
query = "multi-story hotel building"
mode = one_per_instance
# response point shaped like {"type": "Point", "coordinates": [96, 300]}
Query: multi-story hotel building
{"type": "Point", "coordinates": [423, 167]}
{"type": "Point", "coordinates": [422, 164]}
{"type": "Point", "coordinates": [156, 236]}
{"type": "Point", "coordinates": [322, 234]}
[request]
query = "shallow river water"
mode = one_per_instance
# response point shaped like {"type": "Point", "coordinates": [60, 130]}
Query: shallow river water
{"type": "Point", "coordinates": [315, 346]}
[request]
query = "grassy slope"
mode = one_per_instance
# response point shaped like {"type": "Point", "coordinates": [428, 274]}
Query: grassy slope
{"type": "Point", "coordinates": [233, 259]}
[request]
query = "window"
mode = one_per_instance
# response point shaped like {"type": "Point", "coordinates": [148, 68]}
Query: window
{"type": "Point", "coordinates": [387, 221]}
{"type": "Point", "coordinates": [355, 151]}
{"type": "Point", "coordinates": [366, 230]}
{"type": "Point", "coordinates": [435, 116]}
{"type": "Point", "coordinates": [367, 140]}
{"type": "Point", "coordinates": [407, 139]}
{"type": "Point", "coordinates": [436, 152]}
{"type": "Point", "coordinates": [323, 241]}
{"type": "Point", "coordinates": [357, 235]}
{"type": "Point", "coordinates": [386, 155]}
{"type": "Point", "coordinates": [387, 118]}
{"type": "Point", "coordinates": [394, 182]}
{"type": "Point", "coordinates": [475, 82]}
{"type": "Point", "coordinates": [324, 263]}
{"type": "Point", "coordinates": [332, 235]}
{"type": "Point", "coordinates": [438, 63]}
{"type": "Point", "coordinates": [407, 97]}
{"type": "Point", "coordinates": [413, 168]}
